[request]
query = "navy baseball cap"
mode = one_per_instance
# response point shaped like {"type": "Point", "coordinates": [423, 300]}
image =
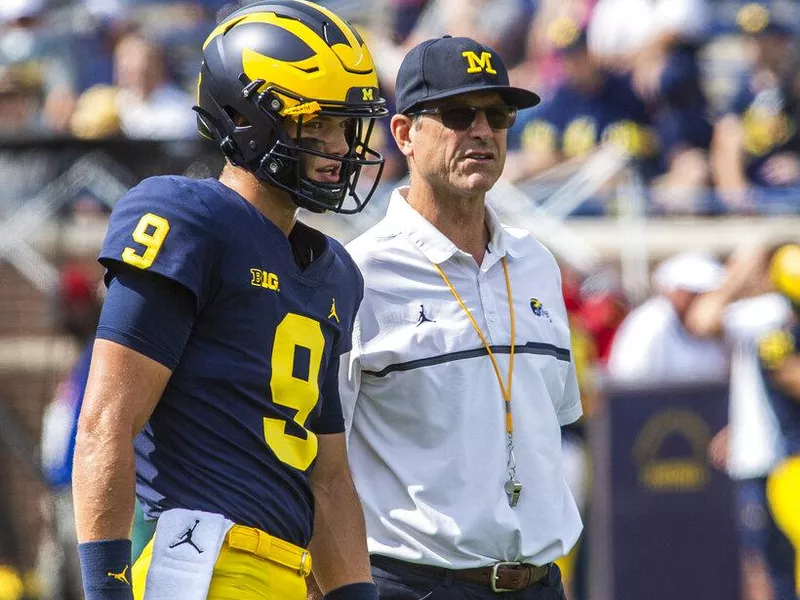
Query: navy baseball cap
{"type": "Point", "coordinates": [449, 66]}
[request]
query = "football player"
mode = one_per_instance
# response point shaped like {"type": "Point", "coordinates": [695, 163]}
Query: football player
{"type": "Point", "coordinates": [780, 360]}
{"type": "Point", "coordinates": [213, 386]}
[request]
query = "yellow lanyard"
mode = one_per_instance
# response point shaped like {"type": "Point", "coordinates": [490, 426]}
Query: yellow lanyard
{"type": "Point", "coordinates": [505, 389]}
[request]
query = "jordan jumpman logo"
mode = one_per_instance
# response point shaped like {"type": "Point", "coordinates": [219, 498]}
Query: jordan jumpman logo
{"type": "Point", "coordinates": [120, 576]}
{"type": "Point", "coordinates": [422, 318]}
{"type": "Point", "coordinates": [186, 538]}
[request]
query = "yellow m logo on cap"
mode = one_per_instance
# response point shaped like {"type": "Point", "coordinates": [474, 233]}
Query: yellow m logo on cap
{"type": "Point", "coordinates": [479, 63]}
{"type": "Point", "coordinates": [366, 94]}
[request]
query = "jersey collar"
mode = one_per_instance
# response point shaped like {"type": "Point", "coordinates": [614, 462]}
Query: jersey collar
{"type": "Point", "coordinates": [436, 247]}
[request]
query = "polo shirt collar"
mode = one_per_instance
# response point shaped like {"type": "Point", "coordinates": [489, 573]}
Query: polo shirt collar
{"type": "Point", "coordinates": [433, 244]}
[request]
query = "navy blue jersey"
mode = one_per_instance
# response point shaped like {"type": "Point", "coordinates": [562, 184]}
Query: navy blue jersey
{"type": "Point", "coordinates": [574, 122]}
{"type": "Point", "coordinates": [681, 116]}
{"type": "Point", "coordinates": [767, 127]}
{"type": "Point", "coordinates": [773, 350]}
{"type": "Point", "coordinates": [234, 432]}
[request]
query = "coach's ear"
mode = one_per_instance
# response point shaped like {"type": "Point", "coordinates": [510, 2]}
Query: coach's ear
{"type": "Point", "coordinates": [401, 132]}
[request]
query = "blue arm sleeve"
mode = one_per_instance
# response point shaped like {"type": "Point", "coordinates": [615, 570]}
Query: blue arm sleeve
{"type": "Point", "coordinates": [148, 313]}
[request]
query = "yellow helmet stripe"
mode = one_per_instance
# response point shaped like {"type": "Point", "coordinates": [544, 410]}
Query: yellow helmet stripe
{"type": "Point", "coordinates": [307, 84]}
{"type": "Point", "coordinates": [355, 58]}
{"type": "Point", "coordinates": [341, 23]}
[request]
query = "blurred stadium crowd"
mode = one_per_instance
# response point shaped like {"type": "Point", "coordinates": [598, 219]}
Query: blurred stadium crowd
{"type": "Point", "coordinates": [702, 95]}
{"type": "Point", "coordinates": [701, 98]}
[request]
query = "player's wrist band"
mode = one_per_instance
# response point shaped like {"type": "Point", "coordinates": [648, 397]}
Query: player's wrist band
{"type": "Point", "coordinates": [106, 569]}
{"type": "Point", "coordinates": [354, 591]}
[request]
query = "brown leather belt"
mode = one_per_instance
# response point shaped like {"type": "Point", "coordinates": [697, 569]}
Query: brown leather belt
{"type": "Point", "coordinates": [500, 577]}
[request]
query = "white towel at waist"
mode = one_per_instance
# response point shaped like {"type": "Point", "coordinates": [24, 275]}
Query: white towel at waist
{"type": "Point", "coordinates": [185, 550]}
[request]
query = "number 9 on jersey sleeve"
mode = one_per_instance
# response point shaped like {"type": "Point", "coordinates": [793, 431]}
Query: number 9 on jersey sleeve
{"type": "Point", "coordinates": [150, 232]}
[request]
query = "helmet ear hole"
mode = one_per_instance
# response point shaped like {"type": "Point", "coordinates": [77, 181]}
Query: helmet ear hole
{"type": "Point", "coordinates": [236, 117]}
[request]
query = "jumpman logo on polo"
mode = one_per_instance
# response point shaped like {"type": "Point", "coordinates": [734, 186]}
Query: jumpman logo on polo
{"type": "Point", "coordinates": [333, 314]}
{"type": "Point", "coordinates": [186, 538]}
{"type": "Point", "coordinates": [120, 576]}
{"type": "Point", "coordinates": [422, 318]}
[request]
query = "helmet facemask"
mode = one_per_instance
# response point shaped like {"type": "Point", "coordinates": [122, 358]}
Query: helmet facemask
{"type": "Point", "coordinates": [283, 165]}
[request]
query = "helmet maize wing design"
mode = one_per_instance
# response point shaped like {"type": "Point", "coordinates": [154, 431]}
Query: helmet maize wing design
{"type": "Point", "coordinates": [273, 65]}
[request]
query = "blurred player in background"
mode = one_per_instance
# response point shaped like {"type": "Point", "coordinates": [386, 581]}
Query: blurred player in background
{"type": "Point", "coordinates": [780, 361]}
{"type": "Point", "coordinates": [653, 344]}
{"type": "Point", "coordinates": [741, 311]}
{"type": "Point", "coordinates": [214, 373]}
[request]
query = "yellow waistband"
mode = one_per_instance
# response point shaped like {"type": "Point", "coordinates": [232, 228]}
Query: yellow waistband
{"type": "Point", "coordinates": [263, 545]}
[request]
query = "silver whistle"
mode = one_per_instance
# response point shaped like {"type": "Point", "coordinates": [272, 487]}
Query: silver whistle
{"type": "Point", "coordinates": [513, 489]}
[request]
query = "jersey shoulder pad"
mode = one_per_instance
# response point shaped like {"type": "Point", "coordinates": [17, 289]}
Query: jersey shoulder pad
{"type": "Point", "coordinates": [775, 347]}
{"type": "Point", "coordinates": [163, 225]}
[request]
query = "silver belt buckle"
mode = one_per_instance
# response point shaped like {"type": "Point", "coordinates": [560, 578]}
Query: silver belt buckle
{"type": "Point", "coordinates": [305, 566]}
{"type": "Point", "coordinates": [495, 566]}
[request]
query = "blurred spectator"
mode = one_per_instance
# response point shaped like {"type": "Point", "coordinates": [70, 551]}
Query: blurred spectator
{"type": "Point", "coordinates": [603, 308]}
{"type": "Point", "coordinates": [96, 114]}
{"type": "Point", "coordinates": [541, 69]}
{"type": "Point", "coordinates": [403, 16]}
{"type": "Point", "coordinates": [148, 104]}
{"type": "Point", "coordinates": [597, 306]}
{"type": "Point", "coordinates": [657, 41]}
{"type": "Point", "coordinates": [591, 107]}
{"type": "Point", "coordinates": [742, 311]}
{"type": "Point", "coordinates": [500, 24]}
{"type": "Point", "coordinates": [26, 42]}
{"type": "Point", "coordinates": [653, 345]}
{"type": "Point", "coordinates": [756, 143]}
{"type": "Point", "coordinates": [20, 100]}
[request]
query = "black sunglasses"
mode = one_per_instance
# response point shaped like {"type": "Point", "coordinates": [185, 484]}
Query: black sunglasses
{"type": "Point", "coordinates": [460, 117]}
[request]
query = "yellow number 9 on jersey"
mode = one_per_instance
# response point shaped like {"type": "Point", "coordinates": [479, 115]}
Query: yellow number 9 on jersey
{"type": "Point", "coordinates": [150, 232]}
{"type": "Point", "coordinates": [300, 394]}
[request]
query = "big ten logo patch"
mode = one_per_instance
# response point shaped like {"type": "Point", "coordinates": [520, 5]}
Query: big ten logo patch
{"type": "Point", "coordinates": [264, 279]}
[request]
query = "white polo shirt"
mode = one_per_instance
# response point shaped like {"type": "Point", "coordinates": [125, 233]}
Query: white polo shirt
{"type": "Point", "coordinates": [423, 407]}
